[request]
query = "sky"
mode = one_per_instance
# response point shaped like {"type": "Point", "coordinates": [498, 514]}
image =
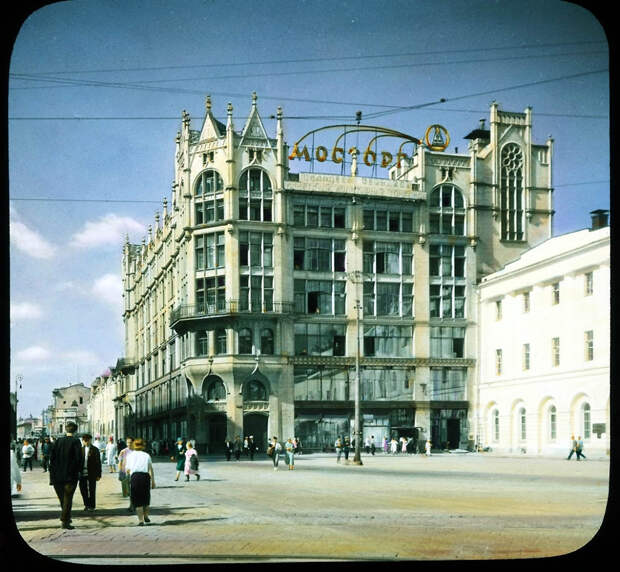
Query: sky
{"type": "Point", "coordinates": [97, 88]}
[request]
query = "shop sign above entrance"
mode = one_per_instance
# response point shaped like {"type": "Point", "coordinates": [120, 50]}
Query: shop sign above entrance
{"type": "Point", "coordinates": [436, 138]}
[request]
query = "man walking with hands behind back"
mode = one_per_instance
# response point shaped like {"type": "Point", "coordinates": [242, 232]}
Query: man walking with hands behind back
{"type": "Point", "coordinates": [65, 468]}
{"type": "Point", "coordinates": [91, 472]}
{"type": "Point", "coordinates": [573, 447]}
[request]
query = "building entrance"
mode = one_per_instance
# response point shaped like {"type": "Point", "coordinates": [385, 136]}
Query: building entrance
{"type": "Point", "coordinates": [217, 432]}
{"type": "Point", "coordinates": [256, 424]}
{"type": "Point", "coordinates": [454, 433]}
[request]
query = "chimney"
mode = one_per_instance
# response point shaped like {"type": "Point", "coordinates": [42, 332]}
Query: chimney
{"type": "Point", "coordinates": [599, 219]}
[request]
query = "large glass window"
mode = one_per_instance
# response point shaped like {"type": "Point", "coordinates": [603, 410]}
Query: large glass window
{"type": "Point", "coordinates": [552, 423]}
{"type": "Point", "coordinates": [254, 390]}
{"type": "Point", "coordinates": [388, 341]}
{"type": "Point", "coordinates": [266, 342]}
{"type": "Point", "coordinates": [245, 341]}
{"type": "Point", "coordinates": [320, 296]}
{"type": "Point", "coordinates": [511, 193]}
{"type": "Point", "coordinates": [589, 345]}
{"type": "Point", "coordinates": [389, 219]}
{"type": "Point", "coordinates": [388, 298]}
{"type": "Point", "coordinates": [319, 339]}
{"type": "Point", "coordinates": [447, 211]}
{"type": "Point", "coordinates": [447, 274]}
{"type": "Point", "coordinates": [388, 257]}
{"type": "Point", "coordinates": [255, 196]}
{"type": "Point", "coordinates": [256, 293]}
{"type": "Point", "coordinates": [447, 342]}
{"type": "Point", "coordinates": [256, 249]}
{"type": "Point", "coordinates": [448, 383]}
{"type": "Point", "coordinates": [208, 197]}
{"type": "Point", "coordinates": [522, 424]}
{"type": "Point", "coordinates": [215, 389]}
{"type": "Point", "coordinates": [209, 249]}
{"type": "Point", "coordinates": [586, 421]}
{"type": "Point", "coordinates": [210, 295]}
{"type": "Point", "coordinates": [318, 215]}
{"type": "Point", "coordinates": [319, 254]}
{"type": "Point", "coordinates": [379, 384]}
{"type": "Point", "coordinates": [322, 384]}
{"type": "Point", "coordinates": [220, 341]}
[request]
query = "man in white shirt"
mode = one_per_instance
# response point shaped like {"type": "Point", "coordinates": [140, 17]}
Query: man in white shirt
{"type": "Point", "coordinates": [27, 454]}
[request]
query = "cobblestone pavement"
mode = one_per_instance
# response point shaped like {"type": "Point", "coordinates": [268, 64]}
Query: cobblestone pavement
{"type": "Point", "coordinates": [446, 507]}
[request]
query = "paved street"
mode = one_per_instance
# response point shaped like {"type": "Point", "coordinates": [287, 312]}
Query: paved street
{"type": "Point", "coordinates": [448, 506]}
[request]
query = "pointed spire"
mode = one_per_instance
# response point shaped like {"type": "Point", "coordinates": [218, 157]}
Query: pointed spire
{"type": "Point", "coordinates": [254, 98]}
{"type": "Point", "coordinates": [150, 233]}
{"type": "Point", "coordinates": [208, 104]}
{"type": "Point", "coordinates": [229, 110]}
{"type": "Point", "coordinates": [157, 220]}
{"type": "Point", "coordinates": [165, 208]}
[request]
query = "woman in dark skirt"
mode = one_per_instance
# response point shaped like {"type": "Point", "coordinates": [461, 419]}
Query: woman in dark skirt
{"type": "Point", "coordinates": [140, 468]}
{"type": "Point", "coordinates": [179, 457]}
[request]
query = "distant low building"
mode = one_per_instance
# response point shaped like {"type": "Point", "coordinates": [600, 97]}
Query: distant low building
{"type": "Point", "coordinates": [101, 409]}
{"type": "Point", "coordinates": [29, 428]}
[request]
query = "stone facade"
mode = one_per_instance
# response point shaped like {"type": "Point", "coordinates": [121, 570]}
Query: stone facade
{"type": "Point", "coordinates": [246, 305]}
{"type": "Point", "coordinates": [544, 354]}
{"type": "Point", "coordinates": [70, 404]}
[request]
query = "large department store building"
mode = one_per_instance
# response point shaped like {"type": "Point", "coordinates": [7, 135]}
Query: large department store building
{"type": "Point", "coordinates": [246, 305]}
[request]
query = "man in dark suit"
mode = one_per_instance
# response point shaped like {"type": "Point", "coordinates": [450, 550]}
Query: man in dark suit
{"type": "Point", "coordinates": [91, 472]}
{"type": "Point", "coordinates": [65, 467]}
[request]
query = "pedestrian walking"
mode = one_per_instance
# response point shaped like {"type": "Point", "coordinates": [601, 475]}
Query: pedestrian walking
{"type": "Point", "coordinates": [110, 454]}
{"type": "Point", "coordinates": [237, 448]}
{"type": "Point", "coordinates": [274, 452]}
{"type": "Point", "coordinates": [228, 446]}
{"type": "Point", "coordinates": [155, 447]}
{"type": "Point", "coordinates": [579, 448]}
{"type": "Point", "coordinates": [386, 447]}
{"type": "Point", "coordinates": [91, 472]}
{"type": "Point", "coordinates": [16, 475]}
{"type": "Point", "coordinates": [346, 448]}
{"type": "Point", "coordinates": [18, 451]}
{"type": "Point", "coordinates": [246, 447]}
{"type": "Point", "coordinates": [298, 450]}
{"type": "Point", "coordinates": [289, 448]}
{"type": "Point", "coordinates": [427, 448]}
{"type": "Point", "coordinates": [404, 442]}
{"type": "Point", "coordinates": [338, 446]}
{"type": "Point", "coordinates": [142, 479]}
{"type": "Point", "coordinates": [64, 470]}
{"type": "Point", "coordinates": [179, 457]}
{"type": "Point", "coordinates": [123, 477]}
{"type": "Point", "coordinates": [251, 447]}
{"type": "Point", "coordinates": [191, 462]}
{"type": "Point", "coordinates": [573, 447]}
{"type": "Point", "coordinates": [27, 455]}
{"type": "Point", "coordinates": [367, 445]}
{"type": "Point", "coordinates": [393, 446]}
{"type": "Point", "coordinates": [373, 447]}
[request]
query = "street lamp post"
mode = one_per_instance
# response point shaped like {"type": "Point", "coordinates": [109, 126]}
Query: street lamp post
{"type": "Point", "coordinates": [357, 459]}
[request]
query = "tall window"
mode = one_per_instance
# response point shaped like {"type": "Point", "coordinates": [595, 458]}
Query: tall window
{"type": "Point", "coordinates": [245, 341]}
{"type": "Point", "coordinates": [255, 196]}
{"type": "Point", "coordinates": [555, 352]}
{"type": "Point", "coordinates": [388, 257]}
{"type": "Point", "coordinates": [552, 423]}
{"type": "Point", "coordinates": [586, 421]}
{"type": "Point", "coordinates": [589, 345]}
{"type": "Point", "coordinates": [202, 344]}
{"type": "Point", "coordinates": [526, 357]}
{"type": "Point", "coordinates": [498, 362]}
{"type": "Point", "coordinates": [209, 197]}
{"type": "Point", "coordinates": [526, 302]}
{"type": "Point", "coordinates": [256, 249]}
{"type": "Point", "coordinates": [266, 342]}
{"type": "Point", "coordinates": [588, 283]}
{"type": "Point", "coordinates": [498, 309]}
{"type": "Point", "coordinates": [447, 211]}
{"type": "Point", "coordinates": [220, 341]}
{"type": "Point", "coordinates": [210, 294]}
{"type": "Point", "coordinates": [447, 288]}
{"type": "Point", "coordinates": [495, 417]}
{"type": "Point", "coordinates": [511, 193]}
{"type": "Point", "coordinates": [555, 293]}
{"type": "Point", "coordinates": [216, 390]}
{"type": "Point", "coordinates": [388, 298]}
{"type": "Point", "coordinates": [256, 293]}
{"type": "Point", "coordinates": [209, 249]}
{"type": "Point", "coordinates": [254, 390]}
{"type": "Point", "coordinates": [522, 424]}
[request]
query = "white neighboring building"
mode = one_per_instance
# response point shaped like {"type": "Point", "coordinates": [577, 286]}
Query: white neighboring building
{"type": "Point", "coordinates": [544, 347]}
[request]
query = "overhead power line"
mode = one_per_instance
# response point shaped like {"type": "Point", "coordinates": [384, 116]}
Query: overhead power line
{"type": "Point", "coordinates": [325, 59]}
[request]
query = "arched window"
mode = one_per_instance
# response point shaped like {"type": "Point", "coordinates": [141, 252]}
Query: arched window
{"type": "Point", "coordinates": [209, 197]}
{"type": "Point", "coordinates": [266, 341]}
{"type": "Point", "coordinates": [254, 391]}
{"type": "Point", "coordinates": [511, 193]}
{"type": "Point", "coordinates": [216, 390]}
{"type": "Point", "coordinates": [496, 425]}
{"type": "Point", "coordinates": [447, 211]}
{"type": "Point", "coordinates": [586, 422]}
{"type": "Point", "coordinates": [552, 423]}
{"type": "Point", "coordinates": [255, 195]}
{"type": "Point", "coordinates": [522, 424]}
{"type": "Point", "coordinates": [245, 341]}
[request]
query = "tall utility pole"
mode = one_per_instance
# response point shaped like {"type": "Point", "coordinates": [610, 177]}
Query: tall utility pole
{"type": "Point", "coordinates": [357, 459]}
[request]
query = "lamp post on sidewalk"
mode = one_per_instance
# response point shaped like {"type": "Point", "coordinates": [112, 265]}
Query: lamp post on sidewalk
{"type": "Point", "coordinates": [357, 459]}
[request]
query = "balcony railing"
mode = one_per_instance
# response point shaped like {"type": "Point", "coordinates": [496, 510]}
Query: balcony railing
{"type": "Point", "coordinates": [189, 311]}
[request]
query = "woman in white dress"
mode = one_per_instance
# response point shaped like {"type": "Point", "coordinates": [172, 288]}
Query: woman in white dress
{"type": "Point", "coordinates": [110, 455]}
{"type": "Point", "coordinates": [142, 479]}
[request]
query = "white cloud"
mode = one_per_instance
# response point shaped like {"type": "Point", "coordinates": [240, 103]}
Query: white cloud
{"type": "Point", "coordinates": [25, 311]}
{"type": "Point", "coordinates": [109, 288]}
{"type": "Point", "coordinates": [80, 357]}
{"type": "Point", "coordinates": [34, 353]}
{"type": "Point", "coordinates": [29, 241]}
{"type": "Point", "coordinates": [108, 230]}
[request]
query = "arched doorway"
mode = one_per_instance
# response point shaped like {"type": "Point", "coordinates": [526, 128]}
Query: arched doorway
{"type": "Point", "coordinates": [256, 424]}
